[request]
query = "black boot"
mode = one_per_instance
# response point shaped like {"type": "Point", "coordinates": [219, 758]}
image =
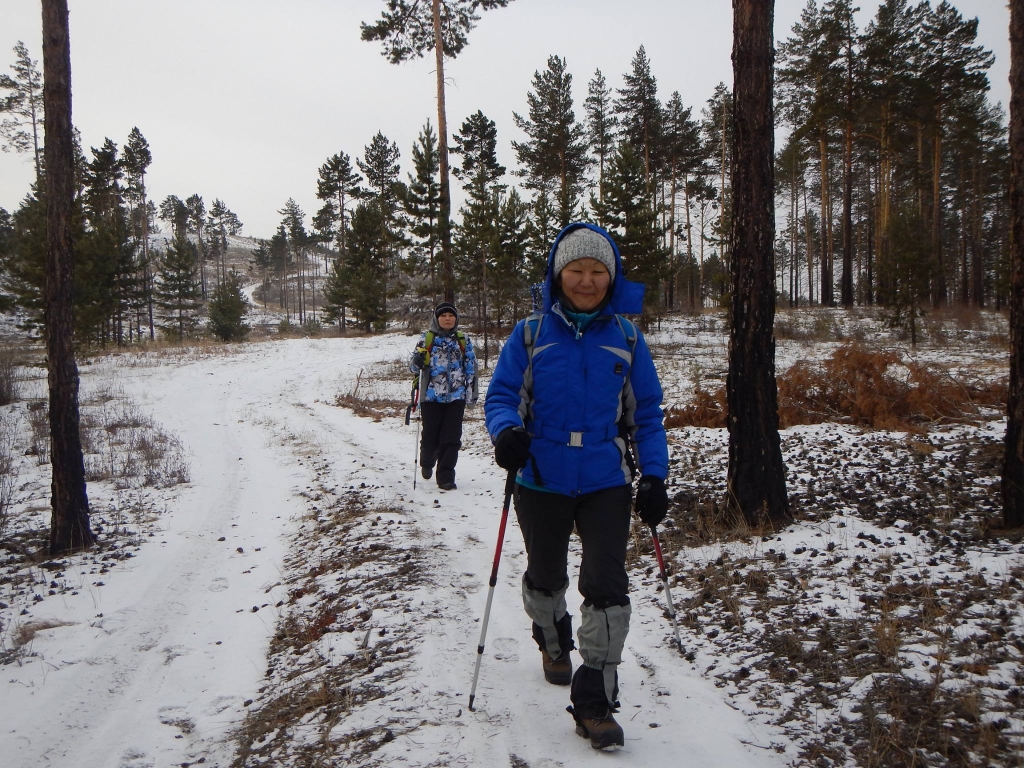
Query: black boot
{"type": "Point", "coordinates": [592, 711]}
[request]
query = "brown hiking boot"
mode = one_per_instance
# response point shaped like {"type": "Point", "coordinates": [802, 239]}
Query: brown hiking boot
{"type": "Point", "coordinates": [603, 732]}
{"type": "Point", "coordinates": [557, 671]}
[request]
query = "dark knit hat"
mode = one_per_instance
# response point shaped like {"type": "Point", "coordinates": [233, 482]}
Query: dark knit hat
{"type": "Point", "coordinates": [446, 306]}
{"type": "Point", "coordinates": [583, 243]}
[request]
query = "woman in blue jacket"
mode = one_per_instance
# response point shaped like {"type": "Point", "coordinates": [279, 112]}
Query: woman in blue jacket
{"type": "Point", "coordinates": [574, 401]}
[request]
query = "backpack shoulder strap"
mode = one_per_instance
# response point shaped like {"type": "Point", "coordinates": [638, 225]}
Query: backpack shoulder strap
{"type": "Point", "coordinates": [462, 341]}
{"type": "Point", "coordinates": [429, 340]}
{"type": "Point", "coordinates": [628, 331]}
{"type": "Point", "coordinates": [531, 330]}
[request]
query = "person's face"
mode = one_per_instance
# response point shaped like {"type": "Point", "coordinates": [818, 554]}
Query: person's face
{"type": "Point", "coordinates": [446, 320]}
{"type": "Point", "coordinates": [585, 283]}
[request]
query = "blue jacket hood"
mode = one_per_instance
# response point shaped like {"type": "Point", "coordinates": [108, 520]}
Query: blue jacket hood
{"type": "Point", "coordinates": [627, 297]}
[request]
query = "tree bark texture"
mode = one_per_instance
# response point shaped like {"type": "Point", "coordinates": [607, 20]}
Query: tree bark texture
{"type": "Point", "coordinates": [69, 523]}
{"type": "Point", "coordinates": [757, 478]}
{"type": "Point", "coordinates": [1013, 465]}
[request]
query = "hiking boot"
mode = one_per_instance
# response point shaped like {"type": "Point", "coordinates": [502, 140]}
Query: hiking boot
{"type": "Point", "coordinates": [426, 472]}
{"type": "Point", "coordinates": [557, 671]}
{"type": "Point", "coordinates": [601, 728]}
{"type": "Point", "coordinates": [449, 486]}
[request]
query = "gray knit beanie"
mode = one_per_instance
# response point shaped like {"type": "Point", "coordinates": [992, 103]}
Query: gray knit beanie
{"type": "Point", "coordinates": [582, 243]}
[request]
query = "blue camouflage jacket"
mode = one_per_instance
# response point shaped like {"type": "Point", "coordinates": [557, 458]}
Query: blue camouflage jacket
{"type": "Point", "coordinates": [449, 375]}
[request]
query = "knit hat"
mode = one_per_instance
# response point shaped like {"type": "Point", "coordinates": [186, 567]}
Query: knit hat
{"type": "Point", "coordinates": [446, 306]}
{"type": "Point", "coordinates": [583, 243]}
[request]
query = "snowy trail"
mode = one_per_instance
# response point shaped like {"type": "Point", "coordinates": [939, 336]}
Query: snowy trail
{"type": "Point", "coordinates": [155, 672]}
{"type": "Point", "coordinates": [162, 676]}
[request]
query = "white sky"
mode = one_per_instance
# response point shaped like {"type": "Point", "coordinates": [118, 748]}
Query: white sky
{"type": "Point", "coordinates": [245, 99]}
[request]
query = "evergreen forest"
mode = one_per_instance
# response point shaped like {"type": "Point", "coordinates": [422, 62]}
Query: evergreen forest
{"type": "Point", "coordinates": [891, 183]}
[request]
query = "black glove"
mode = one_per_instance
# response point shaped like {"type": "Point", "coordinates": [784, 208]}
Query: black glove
{"type": "Point", "coordinates": [420, 358]}
{"type": "Point", "coordinates": [512, 448]}
{"type": "Point", "coordinates": [651, 500]}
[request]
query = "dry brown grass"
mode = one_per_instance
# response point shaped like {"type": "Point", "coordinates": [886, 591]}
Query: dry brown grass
{"type": "Point", "coordinates": [856, 385]}
{"type": "Point", "coordinates": [24, 634]}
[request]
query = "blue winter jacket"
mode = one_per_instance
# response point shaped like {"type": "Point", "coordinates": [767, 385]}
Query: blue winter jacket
{"type": "Point", "coordinates": [449, 375]}
{"type": "Point", "coordinates": [584, 385]}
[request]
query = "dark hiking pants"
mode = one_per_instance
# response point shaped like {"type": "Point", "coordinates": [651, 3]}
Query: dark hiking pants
{"type": "Point", "coordinates": [442, 437]}
{"type": "Point", "coordinates": [601, 520]}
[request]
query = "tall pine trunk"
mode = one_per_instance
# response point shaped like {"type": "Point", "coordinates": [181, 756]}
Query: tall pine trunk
{"type": "Point", "coordinates": [442, 131]}
{"type": "Point", "coordinates": [1013, 465]}
{"type": "Point", "coordinates": [69, 522]}
{"type": "Point", "coordinates": [827, 298]}
{"type": "Point", "coordinates": [846, 291]}
{"type": "Point", "coordinates": [756, 475]}
{"type": "Point", "coordinates": [939, 293]}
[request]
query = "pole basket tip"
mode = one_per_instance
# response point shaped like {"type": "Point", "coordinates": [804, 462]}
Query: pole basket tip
{"type": "Point", "coordinates": [471, 702]}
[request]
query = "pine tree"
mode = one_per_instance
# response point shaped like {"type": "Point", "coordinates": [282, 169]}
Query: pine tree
{"type": "Point", "coordinates": [262, 259]}
{"type": "Point", "coordinates": [479, 241]}
{"type": "Point", "coordinates": [422, 201]}
{"type": "Point", "coordinates": [541, 231]}
{"type": "Point", "coordinates": [554, 158]}
{"type": "Point", "coordinates": [293, 222]}
{"type": "Point", "coordinates": [716, 131]}
{"type": "Point", "coordinates": [841, 35]}
{"type": "Point", "coordinates": [176, 214]}
{"type": "Point", "coordinates": [639, 113]}
{"type": "Point", "coordinates": [280, 259]}
{"type": "Point", "coordinates": [136, 160]}
{"type": "Point", "coordinates": [24, 105]}
{"type": "Point", "coordinates": [601, 124]}
{"type": "Point", "coordinates": [221, 221]}
{"type": "Point", "coordinates": [756, 476]}
{"type": "Point", "coordinates": [954, 66]}
{"type": "Point", "coordinates": [338, 186]}
{"type": "Point", "coordinates": [626, 212]}
{"type": "Point", "coordinates": [810, 85]}
{"type": "Point", "coordinates": [177, 289]}
{"type": "Point", "coordinates": [367, 283]}
{"type": "Point", "coordinates": [197, 226]}
{"type": "Point", "coordinates": [683, 154]}
{"type": "Point", "coordinates": [382, 170]}
{"type": "Point", "coordinates": [69, 501]}
{"type": "Point", "coordinates": [1013, 462]}
{"type": "Point", "coordinates": [337, 293]}
{"type": "Point", "coordinates": [107, 248]}
{"type": "Point", "coordinates": [228, 306]}
{"type": "Point", "coordinates": [889, 47]}
{"type": "Point", "coordinates": [410, 28]}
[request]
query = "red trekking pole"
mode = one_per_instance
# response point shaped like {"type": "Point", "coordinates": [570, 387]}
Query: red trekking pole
{"type": "Point", "coordinates": [509, 485]}
{"type": "Point", "coordinates": [664, 580]}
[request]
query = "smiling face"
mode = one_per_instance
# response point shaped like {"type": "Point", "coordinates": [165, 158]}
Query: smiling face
{"type": "Point", "coordinates": [446, 320]}
{"type": "Point", "coordinates": [585, 283]}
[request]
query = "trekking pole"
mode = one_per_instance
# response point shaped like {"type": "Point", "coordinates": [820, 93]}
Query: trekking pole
{"type": "Point", "coordinates": [509, 485]}
{"type": "Point", "coordinates": [408, 414]}
{"type": "Point", "coordinates": [664, 580]}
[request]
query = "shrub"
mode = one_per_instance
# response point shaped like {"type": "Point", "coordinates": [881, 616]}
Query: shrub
{"type": "Point", "coordinates": [227, 310]}
{"type": "Point", "coordinates": [8, 376]}
{"type": "Point", "coordinates": [856, 385]}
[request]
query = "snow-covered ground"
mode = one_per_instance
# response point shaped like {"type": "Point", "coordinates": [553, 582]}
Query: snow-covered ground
{"type": "Point", "coordinates": [298, 599]}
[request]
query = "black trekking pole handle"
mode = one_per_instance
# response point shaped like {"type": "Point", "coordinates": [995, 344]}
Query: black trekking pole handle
{"type": "Point", "coordinates": [510, 483]}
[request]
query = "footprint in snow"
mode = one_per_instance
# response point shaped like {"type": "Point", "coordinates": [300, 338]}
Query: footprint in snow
{"type": "Point", "coordinates": [134, 758]}
{"type": "Point", "coordinates": [219, 584]}
{"type": "Point", "coordinates": [506, 649]}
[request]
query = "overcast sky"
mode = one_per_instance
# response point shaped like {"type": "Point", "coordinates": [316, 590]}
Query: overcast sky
{"type": "Point", "coordinates": [244, 100]}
